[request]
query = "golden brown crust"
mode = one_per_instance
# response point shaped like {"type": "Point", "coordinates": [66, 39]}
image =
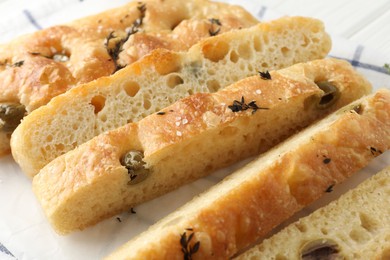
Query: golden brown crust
{"type": "Point", "coordinates": [42, 76]}
{"type": "Point", "coordinates": [195, 136]}
{"type": "Point", "coordinates": [357, 226]}
{"type": "Point", "coordinates": [244, 208]}
{"type": "Point", "coordinates": [145, 87]}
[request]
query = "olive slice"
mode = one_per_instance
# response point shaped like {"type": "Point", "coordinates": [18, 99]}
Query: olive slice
{"type": "Point", "coordinates": [10, 116]}
{"type": "Point", "coordinates": [135, 165]}
{"type": "Point", "coordinates": [322, 249]}
{"type": "Point", "coordinates": [330, 96]}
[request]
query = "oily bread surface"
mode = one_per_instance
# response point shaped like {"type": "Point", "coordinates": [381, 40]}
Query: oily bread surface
{"type": "Point", "coordinates": [160, 79]}
{"type": "Point", "coordinates": [233, 214]}
{"type": "Point", "coordinates": [166, 24]}
{"type": "Point", "coordinates": [35, 68]}
{"type": "Point", "coordinates": [192, 138]}
{"type": "Point", "coordinates": [356, 226]}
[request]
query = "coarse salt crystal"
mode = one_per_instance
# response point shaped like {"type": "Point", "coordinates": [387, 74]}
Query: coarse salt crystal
{"type": "Point", "coordinates": [258, 91]}
{"type": "Point", "coordinates": [177, 123]}
{"type": "Point", "coordinates": [184, 121]}
{"type": "Point", "coordinates": [178, 133]}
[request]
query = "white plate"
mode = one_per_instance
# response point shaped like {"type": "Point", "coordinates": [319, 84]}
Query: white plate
{"type": "Point", "coordinates": [26, 233]}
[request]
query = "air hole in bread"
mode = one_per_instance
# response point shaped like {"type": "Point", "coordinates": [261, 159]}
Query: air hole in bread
{"type": "Point", "coordinates": [59, 147]}
{"type": "Point", "coordinates": [367, 223]}
{"type": "Point", "coordinates": [359, 235]}
{"type": "Point", "coordinates": [213, 85]}
{"type": "Point", "coordinates": [131, 88]}
{"type": "Point", "coordinates": [285, 51]}
{"type": "Point", "coordinates": [98, 102]}
{"type": "Point", "coordinates": [146, 102]}
{"type": "Point", "coordinates": [234, 57]}
{"type": "Point", "coordinates": [244, 51]}
{"type": "Point", "coordinates": [103, 118]}
{"type": "Point", "coordinates": [49, 138]}
{"type": "Point", "coordinates": [301, 227]}
{"type": "Point", "coordinates": [324, 231]}
{"type": "Point", "coordinates": [211, 72]}
{"type": "Point", "coordinates": [174, 80]}
{"type": "Point", "coordinates": [264, 65]}
{"type": "Point", "coordinates": [215, 51]}
{"type": "Point", "coordinates": [305, 41]}
{"type": "Point", "coordinates": [257, 44]}
{"type": "Point", "coordinates": [280, 257]}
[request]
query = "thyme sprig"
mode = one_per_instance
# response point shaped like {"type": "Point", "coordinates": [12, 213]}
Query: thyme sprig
{"type": "Point", "coordinates": [212, 30]}
{"type": "Point", "coordinates": [242, 106]}
{"type": "Point", "coordinates": [186, 248]}
{"type": "Point", "coordinates": [116, 48]}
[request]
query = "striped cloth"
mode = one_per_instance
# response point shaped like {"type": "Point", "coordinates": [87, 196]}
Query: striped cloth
{"type": "Point", "coordinates": [28, 236]}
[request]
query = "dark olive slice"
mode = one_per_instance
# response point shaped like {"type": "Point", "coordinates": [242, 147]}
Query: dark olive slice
{"type": "Point", "coordinates": [135, 165]}
{"type": "Point", "coordinates": [321, 249]}
{"type": "Point", "coordinates": [10, 116]}
{"type": "Point", "coordinates": [330, 96]}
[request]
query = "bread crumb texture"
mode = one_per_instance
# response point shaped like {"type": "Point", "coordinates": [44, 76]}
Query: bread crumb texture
{"type": "Point", "coordinates": [159, 80]}
{"type": "Point", "coordinates": [356, 226]}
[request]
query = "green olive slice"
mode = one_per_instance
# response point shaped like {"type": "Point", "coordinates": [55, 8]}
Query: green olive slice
{"type": "Point", "coordinates": [10, 116]}
{"type": "Point", "coordinates": [330, 96]}
{"type": "Point", "coordinates": [136, 166]}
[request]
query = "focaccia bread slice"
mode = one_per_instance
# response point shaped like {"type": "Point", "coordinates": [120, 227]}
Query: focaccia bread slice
{"type": "Point", "coordinates": [160, 79]}
{"type": "Point", "coordinates": [245, 206]}
{"type": "Point", "coordinates": [188, 140]}
{"type": "Point", "coordinates": [356, 226]}
{"type": "Point", "coordinates": [37, 67]}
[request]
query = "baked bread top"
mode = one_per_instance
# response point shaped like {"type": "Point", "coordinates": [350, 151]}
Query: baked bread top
{"type": "Point", "coordinates": [249, 203]}
{"type": "Point", "coordinates": [158, 80]}
{"type": "Point", "coordinates": [36, 67]}
{"type": "Point", "coordinates": [188, 140]}
{"type": "Point", "coordinates": [356, 226]}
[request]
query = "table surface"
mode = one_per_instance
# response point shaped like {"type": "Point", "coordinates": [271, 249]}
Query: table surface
{"type": "Point", "coordinates": [360, 21]}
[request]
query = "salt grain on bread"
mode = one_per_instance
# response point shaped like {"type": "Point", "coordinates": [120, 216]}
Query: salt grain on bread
{"type": "Point", "coordinates": [160, 79]}
{"type": "Point", "coordinates": [356, 226]}
{"type": "Point", "coordinates": [37, 67]}
{"type": "Point", "coordinates": [189, 140]}
{"type": "Point", "coordinates": [245, 206]}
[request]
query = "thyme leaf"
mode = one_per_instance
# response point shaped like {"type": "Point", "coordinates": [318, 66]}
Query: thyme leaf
{"type": "Point", "coordinates": [375, 151]}
{"type": "Point", "coordinates": [242, 106]}
{"type": "Point", "coordinates": [265, 75]}
{"type": "Point", "coordinates": [330, 188]}
{"type": "Point", "coordinates": [186, 247]}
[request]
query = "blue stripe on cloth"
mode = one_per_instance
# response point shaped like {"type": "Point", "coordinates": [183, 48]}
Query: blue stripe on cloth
{"type": "Point", "coordinates": [363, 65]}
{"type": "Point", "coordinates": [5, 250]}
{"type": "Point", "coordinates": [262, 11]}
{"type": "Point", "coordinates": [32, 20]}
{"type": "Point", "coordinates": [357, 55]}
